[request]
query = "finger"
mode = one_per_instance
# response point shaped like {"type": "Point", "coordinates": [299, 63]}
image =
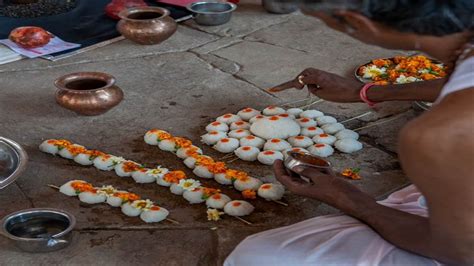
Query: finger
{"type": "Point", "coordinates": [312, 173]}
{"type": "Point", "coordinates": [293, 184]}
{"type": "Point", "coordinates": [330, 21]}
{"type": "Point", "coordinates": [358, 21]}
{"type": "Point", "coordinates": [285, 86]}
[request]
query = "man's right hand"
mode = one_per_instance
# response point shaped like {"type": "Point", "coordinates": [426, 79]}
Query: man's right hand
{"type": "Point", "coordinates": [325, 85]}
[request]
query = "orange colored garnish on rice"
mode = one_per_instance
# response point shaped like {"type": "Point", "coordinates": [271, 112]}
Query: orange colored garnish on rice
{"type": "Point", "coordinates": [155, 208]}
{"type": "Point", "coordinates": [284, 115]}
{"type": "Point", "coordinates": [271, 107]}
{"type": "Point", "coordinates": [352, 173]}
{"type": "Point", "coordinates": [203, 160]}
{"type": "Point", "coordinates": [269, 152]}
{"type": "Point", "coordinates": [82, 187]}
{"type": "Point", "coordinates": [275, 141]}
{"type": "Point", "coordinates": [246, 148]}
{"type": "Point", "coordinates": [311, 128]}
{"type": "Point", "coordinates": [299, 137]}
{"type": "Point", "coordinates": [323, 135]}
{"type": "Point", "coordinates": [266, 186]}
{"type": "Point", "coordinates": [239, 123]}
{"type": "Point", "coordinates": [94, 153]}
{"type": "Point", "coordinates": [192, 151]}
{"type": "Point", "coordinates": [164, 135]}
{"type": "Point", "coordinates": [182, 142]}
{"type": "Point", "coordinates": [154, 130]}
{"type": "Point", "coordinates": [240, 131]}
{"type": "Point", "coordinates": [319, 145]}
{"type": "Point", "coordinates": [236, 204]}
{"type": "Point", "coordinates": [259, 117]}
{"type": "Point", "coordinates": [217, 168]}
{"type": "Point", "coordinates": [174, 176]}
{"type": "Point", "coordinates": [130, 167]}
{"type": "Point", "coordinates": [250, 137]}
{"type": "Point", "coordinates": [75, 150]}
{"type": "Point", "coordinates": [274, 118]}
{"type": "Point", "coordinates": [216, 123]}
{"type": "Point", "coordinates": [304, 120]}
{"type": "Point", "coordinates": [213, 133]}
{"type": "Point", "coordinates": [208, 192]}
{"type": "Point", "coordinates": [247, 110]}
{"type": "Point", "coordinates": [249, 194]}
{"type": "Point", "coordinates": [60, 142]}
{"type": "Point", "coordinates": [225, 140]}
{"type": "Point", "coordinates": [235, 174]}
{"type": "Point", "coordinates": [217, 196]}
{"type": "Point", "coordinates": [227, 116]}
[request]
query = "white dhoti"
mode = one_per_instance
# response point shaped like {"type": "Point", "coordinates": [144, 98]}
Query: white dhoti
{"type": "Point", "coordinates": [331, 240]}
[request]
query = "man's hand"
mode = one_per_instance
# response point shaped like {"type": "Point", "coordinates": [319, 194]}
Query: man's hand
{"type": "Point", "coordinates": [325, 85]}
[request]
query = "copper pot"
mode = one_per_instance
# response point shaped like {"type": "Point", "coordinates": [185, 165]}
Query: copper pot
{"type": "Point", "coordinates": [88, 93]}
{"type": "Point", "coordinates": [146, 25]}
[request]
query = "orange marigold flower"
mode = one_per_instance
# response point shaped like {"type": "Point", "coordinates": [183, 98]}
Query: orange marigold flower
{"type": "Point", "coordinates": [217, 168]}
{"type": "Point", "coordinates": [208, 192]}
{"type": "Point", "coordinates": [204, 161]}
{"type": "Point", "coordinates": [130, 167]}
{"type": "Point", "coordinates": [352, 173]}
{"type": "Point", "coordinates": [82, 187]}
{"type": "Point", "coordinates": [163, 135]}
{"type": "Point", "coordinates": [235, 175]}
{"type": "Point", "coordinates": [249, 194]}
{"type": "Point", "coordinates": [174, 176]}
{"type": "Point", "coordinates": [182, 142]}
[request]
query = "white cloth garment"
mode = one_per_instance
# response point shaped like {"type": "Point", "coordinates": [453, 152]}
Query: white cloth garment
{"type": "Point", "coordinates": [331, 240]}
{"type": "Point", "coordinates": [462, 78]}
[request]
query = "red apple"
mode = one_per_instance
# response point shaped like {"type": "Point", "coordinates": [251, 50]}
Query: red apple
{"type": "Point", "coordinates": [30, 37]}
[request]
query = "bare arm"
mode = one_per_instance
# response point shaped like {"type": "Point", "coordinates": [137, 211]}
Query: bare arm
{"type": "Point", "coordinates": [335, 88]}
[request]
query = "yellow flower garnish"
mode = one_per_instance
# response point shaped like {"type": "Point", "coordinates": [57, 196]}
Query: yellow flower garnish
{"type": "Point", "coordinates": [214, 214]}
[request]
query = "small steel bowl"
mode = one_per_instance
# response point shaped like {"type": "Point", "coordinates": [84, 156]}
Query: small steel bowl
{"type": "Point", "coordinates": [280, 6]}
{"type": "Point", "coordinates": [295, 159]}
{"type": "Point", "coordinates": [211, 13]}
{"type": "Point", "coordinates": [13, 160]}
{"type": "Point", "coordinates": [38, 230]}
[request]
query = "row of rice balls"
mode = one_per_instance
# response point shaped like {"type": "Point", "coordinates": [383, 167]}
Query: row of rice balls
{"type": "Point", "coordinates": [190, 189]}
{"type": "Point", "coordinates": [130, 203]}
{"type": "Point", "coordinates": [205, 167]}
{"type": "Point", "coordinates": [312, 139]}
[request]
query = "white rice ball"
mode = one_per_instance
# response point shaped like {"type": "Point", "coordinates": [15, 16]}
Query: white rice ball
{"type": "Point", "coordinates": [90, 197]}
{"type": "Point", "coordinates": [238, 208]}
{"type": "Point", "coordinates": [183, 152]}
{"type": "Point", "coordinates": [347, 134]}
{"type": "Point", "coordinates": [190, 162]}
{"type": "Point", "coordinates": [154, 214]}
{"type": "Point", "coordinates": [162, 182]}
{"type": "Point", "coordinates": [130, 210]}
{"type": "Point", "coordinates": [67, 188]}
{"type": "Point", "coordinates": [286, 116]}
{"type": "Point", "coordinates": [228, 118]}
{"type": "Point", "coordinates": [324, 139]}
{"type": "Point", "coordinates": [294, 111]}
{"type": "Point", "coordinates": [66, 152]}
{"type": "Point", "coordinates": [252, 141]}
{"type": "Point", "coordinates": [321, 150]}
{"type": "Point", "coordinates": [115, 201]}
{"type": "Point", "coordinates": [269, 157]}
{"type": "Point", "coordinates": [167, 145]}
{"type": "Point", "coordinates": [271, 191]}
{"type": "Point", "coordinates": [300, 141]}
{"type": "Point", "coordinates": [332, 128]}
{"type": "Point", "coordinates": [239, 133]}
{"type": "Point", "coordinates": [348, 145]}
{"type": "Point", "coordinates": [217, 201]}
{"type": "Point", "coordinates": [212, 137]}
{"type": "Point", "coordinates": [107, 162]}
{"type": "Point", "coordinates": [239, 125]}
{"type": "Point", "coordinates": [273, 110]}
{"type": "Point", "coordinates": [323, 120]}
{"type": "Point", "coordinates": [217, 126]}
{"type": "Point", "coordinates": [222, 179]}
{"type": "Point", "coordinates": [83, 159]}
{"type": "Point", "coordinates": [247, 113]}
{"type": "Point", "coordinates": [276, 145]}
{"type": "Point", "coordinates": [311, 114]}
{"type": "Point", "coordinates": [194, 196]}
{"type": "Point", "coordinates": [247, 153]}
{"type": "Point", "coordinates": [227, 145]}
{"type": "Point", "coordinates": [256, 118]}
{"type": "Point", "coordinates": [151, 136]}
{"type": "Point", "coordinates": [176, 189]}
{"type": "Point", "coordinates": [203, 172]}
{"type": "Point", "coordinates": [306, 122]}
{"type": "Point", "coordinates": [48, 146]}
{"type": "Point", "coordinates": [275, 127]}
{"type": "Point", "coordinates": [124, 168]}
{"type": "Point", "coordinates": [300, 150]}
{"type": "Point", "coordinates": [247, 183]}
{"type": "Point", "coordinates": [311, 131]}
{"type": "Point", "coordinates": [144, 176]}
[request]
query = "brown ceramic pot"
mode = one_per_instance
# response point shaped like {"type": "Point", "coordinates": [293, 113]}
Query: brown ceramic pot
{"type": "Point", "coordinates": [146, 25]}
{"type": "Point", "coordinates": [88, 93]}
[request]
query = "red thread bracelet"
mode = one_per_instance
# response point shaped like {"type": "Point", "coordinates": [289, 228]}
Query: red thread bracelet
{"type": "Point", "coordinates": [363, 94]}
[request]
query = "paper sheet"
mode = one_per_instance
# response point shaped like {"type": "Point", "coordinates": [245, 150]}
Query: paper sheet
{"type": "Point", "coordinates": [54, 46]}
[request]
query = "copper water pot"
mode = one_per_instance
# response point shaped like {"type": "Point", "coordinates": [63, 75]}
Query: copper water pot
{"type": "Point", "coordinates": [88, 93]}
{"type": "Point", "coordinates": [146, 25]}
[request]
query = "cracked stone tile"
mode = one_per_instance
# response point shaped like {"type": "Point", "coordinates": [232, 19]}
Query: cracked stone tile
{"type": "Point", "coordinates": [248, 17]}
{"type": "Point", "coordinates": [12, 199]}
{"type": "Point", "coordinates": [221, 63]}
{"type": "Point", "coordinates": [216, 45]}
{"type": "Point", "coordinates": [184, 39]}
{"type": "Point", "coordinates": [119, 247]}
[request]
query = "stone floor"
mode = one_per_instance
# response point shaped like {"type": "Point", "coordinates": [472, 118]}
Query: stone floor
{"type": "Point", "coordinates": [181, 85]}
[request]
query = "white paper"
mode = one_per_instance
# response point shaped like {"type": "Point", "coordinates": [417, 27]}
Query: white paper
{"type": "Point", "coordinates": [55, 45]}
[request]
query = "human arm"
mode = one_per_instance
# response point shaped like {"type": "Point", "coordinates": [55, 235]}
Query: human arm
{"type": "Point", "coordinates": [404, 230]}
{"type": "Point", "coordinates": [335, 88]}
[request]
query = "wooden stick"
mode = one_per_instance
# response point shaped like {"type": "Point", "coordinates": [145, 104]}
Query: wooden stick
{"type": "Point", "coordinates": [281, 203]}
{"type": "Point", "coordinates": [376, 124]}
{"type": "Point", "coordinates": [229, 155]}
{"type": "Point", "coordinates": [313, 103]}
{"type": "Point", "coordinates": [293, 102]}
{"type": "Point", "coordinates": [356, 117]}
{"type": "Point", "coordinates": [233, 160]}
{"type": "Point", "coordinates": [172, 221]}
{"type": "Point", "coordinates": [53, 186]}
{"type": "Point", "coordinates": [242, 220]}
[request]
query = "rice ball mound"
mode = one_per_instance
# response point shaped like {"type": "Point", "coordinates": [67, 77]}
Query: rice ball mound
{"type": "Point", "coordinates": [273, 110]}
{"type": "Point", "coordinates": [239, 133]}
{"type": "Point", "coordinates": [347, 134]}
{"type": "Point", "coordinates": [306, 122]}
{"type": "Point", "coordinates": [269, 157]}
{"type": "Point", "coordinates": [252, 141]}
{"type": "Point", "coordinates": [217, 126]}
{"type": "Point", "coordinates": [323, 120]}
{"type": "Point", "coordinates": [238, 208]}
{"type": "Point", "coordinates": [227, 145]}
{"type": "Point", "coordinates": [311, 131]}
{"type": "Point", "coordinates": [294, 111]}
{"type": "Point", "coordinates": [275, 127]}
{"type": "Point", "coordinates": [249, 183]}
{"type": "Point", "coordinates": [228, 118]}
{"type": "Point", "coordinates": [247, 113]}
{"type": "Point", "coordinates": [271, 191]}
{"type": "Point", "coordinates": [247, 153]}
{"type": "Point", "coordinates": [239, 125]}
{"type": "Point", "coordinates": [217, 201]}
{"type": "Point", "coordinates": [324, 139]}
{"type": "Point", "coordinates": [300, 141]}
{"type": "Point", "coordinates": [212, 137]}
{"type": "Point", "coordinates": [348, 145]}
{"type": "Point", "coordinates": [311, 114]}
{"type": "Point", "coordinates": [332, 128]}
{"type": "Point", "coordinates": [256, 118]}
{"type": "Point", "coordinates": [276, 145]}
{"type": "Point", "coordinates": [321, 150]}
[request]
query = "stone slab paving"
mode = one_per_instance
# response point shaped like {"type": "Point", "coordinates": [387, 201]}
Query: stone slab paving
{"type": "Point", "coordinates": [180, 86]}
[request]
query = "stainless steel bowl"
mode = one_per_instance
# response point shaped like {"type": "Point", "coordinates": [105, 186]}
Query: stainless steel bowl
{"type": "Point", "coordinates": [295, 159]}
{"type": "Point", "coordinates": [13, 160]}
{"type": "Point", "coordinates": [211, 13]}
{"type": "Point", "coordinates": [38, 230]}
{"type": "Point", "coordinates": [280, 6]}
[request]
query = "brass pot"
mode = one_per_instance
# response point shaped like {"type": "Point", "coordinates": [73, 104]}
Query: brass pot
{"type": "Point", "coordinates": [146, 25]}
{"type": "Point", "coordinates": [88, 93]}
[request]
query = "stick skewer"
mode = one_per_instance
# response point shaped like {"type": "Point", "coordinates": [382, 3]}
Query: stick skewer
{"type": "Point", "coordinates": [242, 220]}
{"type": "Point", "coordinates": [53, 186]}
{"type": "Point", "coordinates": [281, 203]}
{"type": "Point", "coordinates": [233, 160]}
{"type": "Point", "coordinates": [356, 117]}
{"type": "Point", "coordinates": [376, 124]}
{"type": "Point", "coordinates": [293, 102]}
{"type": "Point", "coordinates": [229, 155]}
{"type": "Point", "coordinates": [313, 103]}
